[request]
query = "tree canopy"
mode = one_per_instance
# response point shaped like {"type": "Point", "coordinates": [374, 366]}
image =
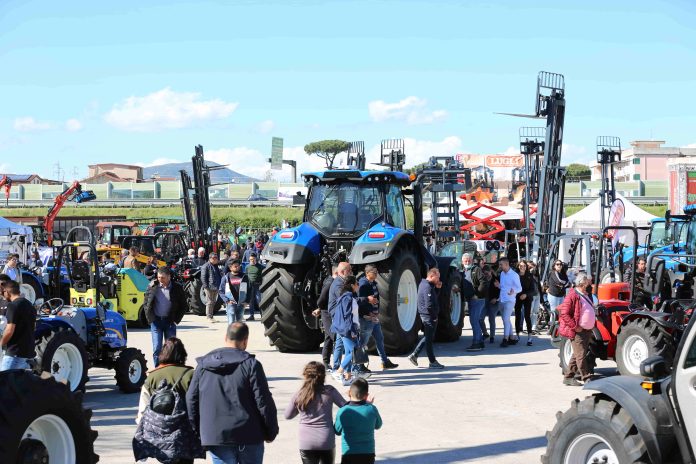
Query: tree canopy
{"type": "Point", "coordinates": [327, 149]}
{"type": "Point", "coordinates": [578, 170]}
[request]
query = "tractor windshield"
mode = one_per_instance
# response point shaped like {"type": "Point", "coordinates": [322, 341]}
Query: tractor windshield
{"type": "Point", "coordinates": [344, 209]}
{"type": "Point", "coordinates": [658, 236]}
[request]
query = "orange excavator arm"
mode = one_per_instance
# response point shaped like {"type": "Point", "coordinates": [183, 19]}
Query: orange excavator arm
{"type": "Point", "coordinates": [7, 183]}
{"type": "Point", "coordinates": [72, 193]}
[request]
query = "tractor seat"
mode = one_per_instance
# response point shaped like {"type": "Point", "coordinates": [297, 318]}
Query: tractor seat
{"type": "Point", "coordinates": [140, 281]}
{"type": "Point", "coordinates": [80, 275]}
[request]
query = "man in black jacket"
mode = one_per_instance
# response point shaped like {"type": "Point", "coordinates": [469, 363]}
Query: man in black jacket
{"type": "Point", "coordinates": [165, 305]}
{"type": "Point", "coordinates": [428, 310]}
{"type": "Point", "coordinates": [229, 402]}
{"type": "Point", "coordinates": [477, 303]}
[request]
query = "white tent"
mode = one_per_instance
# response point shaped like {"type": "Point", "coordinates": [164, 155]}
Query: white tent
{"type": "Point", "coordinates": [588, 219]}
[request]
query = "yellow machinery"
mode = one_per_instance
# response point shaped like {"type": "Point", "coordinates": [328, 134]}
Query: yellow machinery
{"type": "Point", "coordinates": [123, 289]}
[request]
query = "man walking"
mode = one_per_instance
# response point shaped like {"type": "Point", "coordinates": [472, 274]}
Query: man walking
{"type": "Point", "coordinates": [210, 281]}
{"type": "Point", "coordinates": [343, 270]}
{"type": "Point", "coordinates": [229, 402]}
{"type": "Point", "coordinates": [18, 337]}
{"type": "Point", "coordinates": [509, 286]}
{"type": "Point", "coordinates": [428, 310]}
{"type": "Point", "coordinates": [473, 273]}
{"type": "Point", "coordinates": [165, 305]}
{"type": "Point", "coordinates": [368, 308]}
{"type": "Point", "coordinates": [323, 311]}
{"type": "Point", "coordinates": [254, 271]}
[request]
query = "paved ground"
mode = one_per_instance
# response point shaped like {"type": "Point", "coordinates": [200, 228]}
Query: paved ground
{"type": "Point", "coordinates": [488, 407]}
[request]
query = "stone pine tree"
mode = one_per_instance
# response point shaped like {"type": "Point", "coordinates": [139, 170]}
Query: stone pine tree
{"type": "Point", "coordinates": [327, 150]}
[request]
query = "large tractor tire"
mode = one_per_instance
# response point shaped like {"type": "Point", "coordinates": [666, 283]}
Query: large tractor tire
{"type": "Point", "coordinates": [281, 311]}
{"type": "Point", "coordinates": [30, 288]}
{"type": "Point", "coordinates": [62, 353]}
{"type": "Point", "coordinates": [639, 339]}
{"type": "Point", "coordinates": [565, 352]}
{"type": "Point", "coordinates": [131, 370]}
{"type": "Point", "coordinates": [451, 319]}
{"type": "Point", "coordinates": [197, 299]}
{"type": "Point", "coordinates": [398, 306]}
{"type": "Point", "coordinates": [606, 275]}
{"type": "Point", "coordinates": [594, 430]}
{"type": "Point", "coordinates": [41, 420]}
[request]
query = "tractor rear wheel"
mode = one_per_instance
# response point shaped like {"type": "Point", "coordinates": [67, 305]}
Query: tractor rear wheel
{"type": "Point", "coordinates": [131, 370]}
{"type": "Point", "coordinates": [594, 430]}
{"type": "Point", "coordinates": [30, 288]}
{"type": "Point", "coordinates": [62, 353]}
{"type": "Point", "coordinates": [639, 339]}
{"type": "Point", "coordinates": [281, 311]}
{"type": "Point", "coordinates": [398, 303]}
{"type": "Point", "coordinates": [197, 299]}
{"type": "Point", "coordinates": [41, 420]}
{"type": "Point", "coordinates": [451, 319]}
{"type": "Point", "coordinates": [606, 275]}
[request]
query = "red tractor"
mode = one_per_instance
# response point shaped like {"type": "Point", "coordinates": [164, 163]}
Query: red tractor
{"type": "Point", "coordinates": [627, 332]}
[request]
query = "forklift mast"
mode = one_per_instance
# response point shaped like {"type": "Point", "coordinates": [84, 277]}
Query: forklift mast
{"type": "Point", "coordinates": [356, 155]}
{"type": "Point", "coordinates": [196, 206]}
{"type": "Point", "coordinates": [532, 141]}
{"type": "Point", "coordinates": [392, 154]}
{"type": "Point", "coordinates": [444, 178]}
{"type": "Point", "coordinates": [608, 153]}
{"type": "Point", "coordinates": [551, 181]}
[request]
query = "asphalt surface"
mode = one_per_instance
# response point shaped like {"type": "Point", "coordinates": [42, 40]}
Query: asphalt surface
{"type": "Point", "coordinates": [493, 406]}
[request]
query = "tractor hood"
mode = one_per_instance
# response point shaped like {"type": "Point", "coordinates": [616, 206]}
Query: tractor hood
{"type": "Point", "coordinates": [297, 245]}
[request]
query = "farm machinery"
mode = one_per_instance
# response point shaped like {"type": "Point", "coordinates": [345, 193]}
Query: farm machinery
{"type": "Point", "coordinates": [356, 216]}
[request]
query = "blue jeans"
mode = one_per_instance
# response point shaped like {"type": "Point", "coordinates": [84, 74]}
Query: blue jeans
{"type": "Point", "coordinates": [536, 301]}
{"type": "Point", "coordinates": [475, 311]}
{"type": "Point", "coordinates": [161, 329]}
{"type": "Point", "coordinates": [235, 313]}
{"type": "Point", "coordinates": [254, 300]}
{"type": "Point", "coordinates": [373, 329]}
{"type": "Point", "coordinates": [236, 454]}
{"type": "Point", "coordinates": [338, 351]}
{"type": "Point", "coordinates": [14, 362]}
{"type": "Point", "coordinates": [554, 301]}
{"type": "Point", "coordinates": [348, 344]}
{"type": "Point", "coordinates": [492, 310]}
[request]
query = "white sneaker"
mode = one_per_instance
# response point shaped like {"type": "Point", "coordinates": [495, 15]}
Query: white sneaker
{"type": "Point", "coordinates": [338, 376]}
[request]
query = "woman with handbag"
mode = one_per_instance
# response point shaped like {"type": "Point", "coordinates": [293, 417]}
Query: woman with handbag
{"type": "Point", "coordinates": [164, 431]}
{"type": "Point", "coordinates": [314, 403]}
{"type": "Point", "coordinates": [346, 324]}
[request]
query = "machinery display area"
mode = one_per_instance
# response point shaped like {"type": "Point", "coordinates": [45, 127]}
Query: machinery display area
{"type": "Point", "coordinates": [363, 232]}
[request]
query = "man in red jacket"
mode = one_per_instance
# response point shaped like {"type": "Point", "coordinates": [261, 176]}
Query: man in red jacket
{"type": "Point", "coordinates": [577, 319]}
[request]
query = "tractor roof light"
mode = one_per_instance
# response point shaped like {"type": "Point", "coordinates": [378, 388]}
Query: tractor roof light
{"type": "Point", "coordinates": [288, 235]}
{"type": "Point", "coordinates": [376, 234]}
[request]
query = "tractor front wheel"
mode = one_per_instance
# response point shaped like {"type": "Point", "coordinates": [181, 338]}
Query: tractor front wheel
{"type": "Point", "coordinates": [398, 313]}
{"type": "Point", "coordinates": [62, 353]}
{"type": "Point", "coordinates": [131, 370]}
{"type": "Point", "coordinates": [639, 339]}
{"type": "Point", "coordinates": [281, 311]}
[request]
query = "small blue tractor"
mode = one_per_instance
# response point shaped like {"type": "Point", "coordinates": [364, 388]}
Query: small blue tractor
{"type": "Point", "coordinates": [358, 216]}
{"type": "Point", "coordinates": [71, 339]}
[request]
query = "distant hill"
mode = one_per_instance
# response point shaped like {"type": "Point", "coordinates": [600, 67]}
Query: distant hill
{"type": "Point", "coordinates": [219, 176]}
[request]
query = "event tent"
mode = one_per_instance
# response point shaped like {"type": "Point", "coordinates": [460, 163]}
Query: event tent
{"type": "Point", "coordinates": [8, 227]}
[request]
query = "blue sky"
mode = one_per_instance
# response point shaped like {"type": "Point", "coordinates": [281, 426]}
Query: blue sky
{"type": "Point", "coordinates": [142, 82]}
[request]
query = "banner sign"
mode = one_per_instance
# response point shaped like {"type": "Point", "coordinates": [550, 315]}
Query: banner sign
{"type": "Point", "coordinates": [616, 217]}
{"type": "Point", "coordinates": [277, 153]}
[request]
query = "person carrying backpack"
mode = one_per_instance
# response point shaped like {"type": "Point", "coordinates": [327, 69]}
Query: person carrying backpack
{"type": "Point", "coordinates": [164, 431]}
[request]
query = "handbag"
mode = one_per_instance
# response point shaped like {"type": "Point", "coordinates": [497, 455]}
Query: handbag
{"type": "Point", "coordinates": [359, 354]}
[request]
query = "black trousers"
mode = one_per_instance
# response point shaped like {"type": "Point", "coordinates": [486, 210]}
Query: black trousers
{"type": "Point", "coordinates": [525, 305]}
{"type": "Point", "coordinates": [328, 347]}
{"type": "Point", "coordinates": [318, 456]}
{"type": "Point", "coordinates": [358, 459]}
{"type": "Point", "coordinates": [427, 341]}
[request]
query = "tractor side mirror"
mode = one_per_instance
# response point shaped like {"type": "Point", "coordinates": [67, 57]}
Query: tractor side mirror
{"type": "Point", "coordinates": [653, 367]}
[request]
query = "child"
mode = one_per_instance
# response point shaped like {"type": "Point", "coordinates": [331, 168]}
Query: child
{"type": "Point", "coordinates": [357, 422]}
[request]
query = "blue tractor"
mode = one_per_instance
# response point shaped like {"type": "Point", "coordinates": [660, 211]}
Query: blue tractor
{"type": "Point", "coordinates": [358, 216]}
{"type": "Point", "coordinates": [71, 339]}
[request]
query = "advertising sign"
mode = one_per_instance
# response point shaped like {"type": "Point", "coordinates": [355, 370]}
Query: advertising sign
{"type": "Point", "coordinates": [616, 217]}
{"type": "Point", "coordinates": [504, 161]}
{"type": "Point", "coordinates": [691, 187]}
{"type": "Point", "coordinates": [277, 153]}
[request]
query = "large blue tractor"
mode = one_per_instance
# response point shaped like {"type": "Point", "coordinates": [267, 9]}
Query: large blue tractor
{"type": "Point", "coordinates": [357, 216]}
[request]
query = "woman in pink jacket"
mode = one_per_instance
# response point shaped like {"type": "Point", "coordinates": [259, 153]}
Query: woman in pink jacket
{"type": "Point", "coordinates": [576, 321]}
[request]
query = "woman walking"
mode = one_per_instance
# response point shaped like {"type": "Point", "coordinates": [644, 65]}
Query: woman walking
{"type": "Point", "coordinates": [314, 404]}
{"type": "Point", "coordinates": [557, 284]}
{"type": "Point", "coordinates": [346, 324]}
{"type": "Point", "coordinates": [167, 435]}
{"type": "Point", "coordinates": [523, 302]}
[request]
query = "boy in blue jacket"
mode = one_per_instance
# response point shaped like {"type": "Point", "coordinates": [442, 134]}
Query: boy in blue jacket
{"type": "Point", "coordinates": [356, 422]}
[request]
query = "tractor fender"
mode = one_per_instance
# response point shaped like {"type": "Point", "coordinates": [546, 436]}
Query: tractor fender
{"type": "Point", "coordinates": [379, 243]}
{"type": "Point", "coordinates": [650, 413]}
{"type": "Point", "coordinates": [44, 326]}
{"type": "Point", "coordinates": [661, 318]}
{"type": "Point", "coordinates": [297, 245]}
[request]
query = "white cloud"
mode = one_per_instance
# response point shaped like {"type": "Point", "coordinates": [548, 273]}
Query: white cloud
{"type": "Point", "coordinates": [29, 124]}
{"type": "Point", "coordinates": [691, 145]}
{"type": "Point", "coordinates": [575, 154]}
{"type": "Point", "coordinates": [265, 127]}
{"type": "Point", "coordinates": [166, 109]}
{"type": "Point", "coordinates": [420, 151]}
{"type": "Point", "coordinates": [511, 151]}
{"type": "Point", "coordinates": [73, 125]}
{"type": "Point", "coordinates": [412, 110]}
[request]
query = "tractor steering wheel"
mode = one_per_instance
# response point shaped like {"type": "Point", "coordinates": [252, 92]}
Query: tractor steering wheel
{"type": "Point", "coordinates": [51, 307]}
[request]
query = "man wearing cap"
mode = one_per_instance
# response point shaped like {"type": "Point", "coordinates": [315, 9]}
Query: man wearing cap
{"type": "Point", "coordinates": [210, 281]}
